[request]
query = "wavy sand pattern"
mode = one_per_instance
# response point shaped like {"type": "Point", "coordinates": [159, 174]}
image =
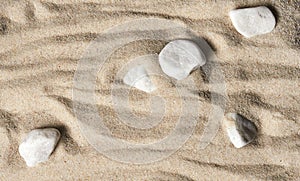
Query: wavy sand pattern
{"type": "Point", "coordinates": [41, 44]}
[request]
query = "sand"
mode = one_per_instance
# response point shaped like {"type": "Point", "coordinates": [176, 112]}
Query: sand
{"type": "Point", "coordinates": [41, 45]}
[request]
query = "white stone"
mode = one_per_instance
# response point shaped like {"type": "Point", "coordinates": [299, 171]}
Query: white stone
{"type": "Point", "coordinates": [253, 21]}
{"type": "Point", "coordinates": [138, 77]}
{"type": "Point", "coordinates": [179, 57]}
{"type": "Point", "coordinates": [240, 130]}
{"type": "Point", "coordinates": [38, 145]}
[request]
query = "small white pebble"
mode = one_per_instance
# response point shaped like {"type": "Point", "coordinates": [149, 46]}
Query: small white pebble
{"type": "Point", "coordinates": [138, 77]}
{"type": "Point", "coordinates": [240, 130]}
{"type": "Point", "coordinates": [38, 145]}
{"type": "Point", "coordinates": [179, 57]}
{"type": "Point", "coordinates": [253, 21]}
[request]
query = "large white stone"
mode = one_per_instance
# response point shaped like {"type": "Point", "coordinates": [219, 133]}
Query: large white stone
{"type": "Point", "coordinates": [240, 130]}
{"type": "Point", "coordinates": [253, 21]}
{"type": "Point", "coordinates": [179, 57]}
{"type": "Point", "coordinates": [38, 145]}
{"type": "Point", "coordinates": [138, 77]}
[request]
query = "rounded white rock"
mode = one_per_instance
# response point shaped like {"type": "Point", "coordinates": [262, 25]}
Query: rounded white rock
{"type": "Point", "coordinates": [179, 57]}
{"type": "Point", "coordinates": [38, 145]}
{"type": "Point", "coordinates": [138, 77]}
{"type": "Point", "coordinates": [240, 130]}
{"type": "Point", "coordinates": [253, 21]}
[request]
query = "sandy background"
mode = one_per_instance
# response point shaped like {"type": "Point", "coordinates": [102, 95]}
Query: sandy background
{"type": "Point", "coordinates": [42, 42]}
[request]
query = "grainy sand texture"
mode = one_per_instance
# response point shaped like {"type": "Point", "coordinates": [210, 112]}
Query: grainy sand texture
{"type": "Point", "coordinates": [41, 43]}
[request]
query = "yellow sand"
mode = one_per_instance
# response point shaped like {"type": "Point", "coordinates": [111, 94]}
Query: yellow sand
{"type": "Point", "coordinates": [42, 42]}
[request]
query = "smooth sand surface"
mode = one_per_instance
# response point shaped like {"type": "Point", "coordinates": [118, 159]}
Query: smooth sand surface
{"type": "Point", "coordinates": [42, 42]}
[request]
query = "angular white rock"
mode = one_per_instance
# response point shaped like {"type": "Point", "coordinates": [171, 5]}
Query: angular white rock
{"type": "Point", "coordinates": [138, 77]}
{"type": "Point", "coordinates": [253, 21]}
{"type": "Point", "coordinates": [179, 57]}
{"type": "Point", "coordinates": [38, 145]}
{"type": "Point", "coordinates": [240, 130]}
